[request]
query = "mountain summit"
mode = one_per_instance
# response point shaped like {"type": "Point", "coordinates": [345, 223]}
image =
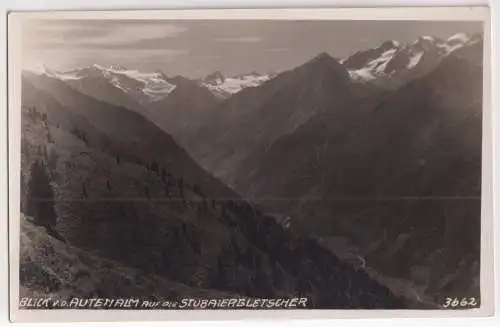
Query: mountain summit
{"type": "Point", "coordinates": [214, 79]}
{"type": "Point", "coordinates": [325, 61]}
{"type": "Point", "coordinates": [254, 118]}
{"type": "Point", "coordinates": [223, 87]}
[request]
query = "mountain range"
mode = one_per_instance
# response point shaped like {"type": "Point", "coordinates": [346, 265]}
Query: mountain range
{"type": "Point", "coordinates": [180, 106]}
{"type": "Point", "coordinates": [389, 58]}
{"type": "Point", "coordinates": [146, 87]}
{"type": "Point", "coordinates": [358, 156]}
{"type": "Point", "coordinates": [396, 62]}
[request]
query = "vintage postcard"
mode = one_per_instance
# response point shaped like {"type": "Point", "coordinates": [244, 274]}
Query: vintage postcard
{"type": "Point", "coordinates": [294, 163]}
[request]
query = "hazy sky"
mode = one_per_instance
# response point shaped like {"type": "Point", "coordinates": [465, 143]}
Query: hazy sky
{"type": "Point", "coordinates": [196, 48]}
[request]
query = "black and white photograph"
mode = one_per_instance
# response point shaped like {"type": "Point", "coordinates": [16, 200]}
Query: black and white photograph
{"type": "Point", "coordinates": [249, 164]}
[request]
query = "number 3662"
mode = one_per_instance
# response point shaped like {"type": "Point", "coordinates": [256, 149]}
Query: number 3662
{"type": "Point", "coordinates": [455, 302]}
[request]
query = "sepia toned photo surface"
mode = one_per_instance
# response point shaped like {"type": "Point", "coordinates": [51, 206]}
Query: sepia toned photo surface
{"type": "Point", "coordinates": [248, 164]}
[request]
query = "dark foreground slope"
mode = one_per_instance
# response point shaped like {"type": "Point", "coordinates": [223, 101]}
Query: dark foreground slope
{"type": "Point", "coordinates": [125, 193]}
{"type": "Point", "coordinates": [50, 267]}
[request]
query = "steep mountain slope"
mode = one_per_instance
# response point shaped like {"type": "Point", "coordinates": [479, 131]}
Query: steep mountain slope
{"type": "Point", "coordinates": [409, 168]}
{"type": "Point", "coordinates": [427, 116]}
{"type": "Point", "coordinates": [96, 82]}
{"type": "Point", "coordinates": [129, 129]}
{"type": "Point", "coordinates": [366, 64]}
{"type": "Point", "coordinates": [52, 268]}
{"type": "Point", "coordinates": [184, 110]}
{"type": "Point", "coordinates": [162, 224]}
{"type": "Point", "coordinates": [255, 117]}
{"type": "Point", "coordinates": [175, 104]}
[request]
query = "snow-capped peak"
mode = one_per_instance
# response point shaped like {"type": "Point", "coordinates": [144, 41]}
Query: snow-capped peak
{"type": "Point", "coordinates": [95, 66]}
{"type": "Point", "coordinates": [415, 59]}
{"type": "Point", "coordinates": [459, 37]}
{"type": "Point", "coordinates": [369, 64]}
{"type": "Point", "coordinates": [390, 44]}
{"type": "Point", "coordinates": [153, 86]}
{"type": "Point", "coordinates": [225, 86]}
{"type": "Point", "coordinates": [373, 61]}
{"type": "Point", "coordinates": [215, 78]}
{"type": "Point", "coordinates": [117, 68]}
{"type": "Point", "coordinates": [394, 43]}
{"type": "Point", "coordinates": [455, 42]}
{"type": "Point", "coordinates": [39, 69]}
{"type": "Point", "coordinates": [374, 67]}
{"type": "Point", "coordinates": [144, 86]}
{"type": "Point", "coordinates": [425, 38]}
{"type": "Point", "coordinates": [64, 76]}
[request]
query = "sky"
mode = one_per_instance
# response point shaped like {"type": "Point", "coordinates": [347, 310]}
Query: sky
{"type": "Point", "coordinates": [197, 48]}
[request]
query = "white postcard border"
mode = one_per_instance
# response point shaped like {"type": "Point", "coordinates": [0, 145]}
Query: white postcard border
{"type": "Point", "coordinates": [408, 13]}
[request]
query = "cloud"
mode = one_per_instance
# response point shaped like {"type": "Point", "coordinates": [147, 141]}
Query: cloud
{"type": "Point", "coordinates": [133, 33]}
{"type": "Point", "coordinates": [97, 34]}
{"type": "Point", "coordinates": [241, 39]}
{"type": "Point", "coordinates": [207, 58]}
{"type": "Point", "coordinates": [70, 58]}
{"type": "Point", "coordinates": [277, 50]}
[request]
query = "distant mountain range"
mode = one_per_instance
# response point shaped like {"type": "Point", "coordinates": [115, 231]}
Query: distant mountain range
{"type": "Point", "coordinates": [277, 175]}
{"type": "Point", "coordinates": [392, 59]}
{"type": "Point", "coordinates": [180, 105]}
{"type": "Point", "coordinates": [173, 103]}
{"type": "Point", "coordinates": [151, 87]}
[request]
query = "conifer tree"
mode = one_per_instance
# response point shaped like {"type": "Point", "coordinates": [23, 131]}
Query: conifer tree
{"type": "Point", "coordinates": [52, 160]}
{"type": "Point", "coordinates": [163, 175]}
{"type": "Point", "coordinates": [50, 139]}
{"type": "Point", "coordinates": [40, 202]}
{"type": "Point", "coordinates": [155, 167]}
{"type": "Point", "coordinates": [181, 187]}
{"type": "Point", "coordinates": [84, 190]}
{"type": "Point", "coordinates": [196, 189]}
